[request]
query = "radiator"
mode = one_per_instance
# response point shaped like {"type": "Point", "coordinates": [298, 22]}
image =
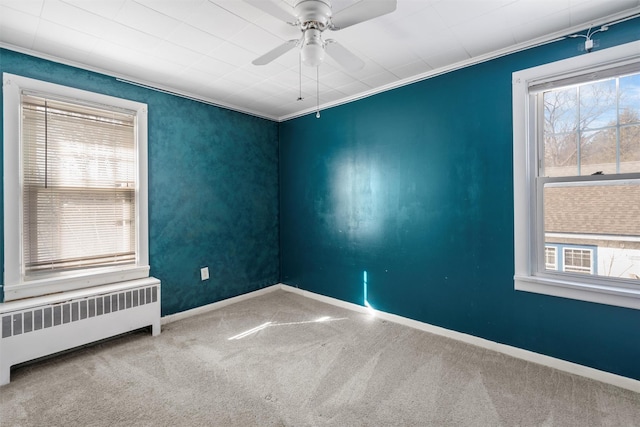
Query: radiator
{"type": "Point", "coordinates": [42, 326]}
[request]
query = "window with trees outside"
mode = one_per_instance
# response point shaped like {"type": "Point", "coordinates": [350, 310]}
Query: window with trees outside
{"type": "Point", "coordinates": [577, 177]}
{"type": "Point", "coordinates": [78, 188]}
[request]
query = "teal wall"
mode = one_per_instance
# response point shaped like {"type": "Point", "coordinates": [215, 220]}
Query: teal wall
{"type": "Point", "coordinates": [213, 188]}
{"type": "Point", "coordinates": [415, 186]}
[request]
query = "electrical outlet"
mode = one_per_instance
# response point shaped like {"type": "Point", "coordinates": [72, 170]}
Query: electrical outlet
{"type": "Point", "coordinates": [204, 273]}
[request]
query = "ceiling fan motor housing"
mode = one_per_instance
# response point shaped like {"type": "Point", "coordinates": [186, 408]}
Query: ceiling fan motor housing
{"type": "Point", "coordinates": [313, 13]}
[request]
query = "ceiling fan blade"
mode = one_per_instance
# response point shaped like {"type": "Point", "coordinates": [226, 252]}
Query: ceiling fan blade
{"type": "Point", "coordinates": [362, 11]}
{"type": "Point", "coordinates": [343, 56]}
{"type": "Point", "coordinates": [274, 9]}
{"type": "Point", "coordinates": [275, 53]}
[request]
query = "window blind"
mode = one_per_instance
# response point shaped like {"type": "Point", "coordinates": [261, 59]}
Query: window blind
{"type": "Point", "coordinates": [79, 186]}
{"type": "Point", "coordinates": [584, 77]}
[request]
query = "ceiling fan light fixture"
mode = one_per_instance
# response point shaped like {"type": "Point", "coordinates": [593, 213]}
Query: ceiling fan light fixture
{"type": "Point", "coordinates": [312, 52]}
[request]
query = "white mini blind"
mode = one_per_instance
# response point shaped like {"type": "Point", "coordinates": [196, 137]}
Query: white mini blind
{"type": "Point", "coordinates": [79, 186]}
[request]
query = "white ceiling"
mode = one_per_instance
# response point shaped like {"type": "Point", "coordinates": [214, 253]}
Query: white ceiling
{"type": "Point", "coordinates": [204, 48]}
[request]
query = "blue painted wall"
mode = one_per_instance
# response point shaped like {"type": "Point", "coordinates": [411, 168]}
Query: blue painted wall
{"type": "Point", "coordinates": [213, 188]}
{"type": "Point", "coordinates": [415, 186]}
{"type": "Point", "coordinates": [412, 185]}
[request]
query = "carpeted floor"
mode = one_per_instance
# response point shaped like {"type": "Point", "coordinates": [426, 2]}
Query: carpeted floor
{"type": "Point", "coordinates": [313, 365]}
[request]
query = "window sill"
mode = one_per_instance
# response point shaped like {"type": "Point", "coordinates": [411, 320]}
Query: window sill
{"type": "Point", "coordinates": [610, 295]}
{"type": "Point", "coordinates": [64, 283]}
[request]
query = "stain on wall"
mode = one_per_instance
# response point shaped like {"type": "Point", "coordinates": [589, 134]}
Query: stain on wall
{"type": "Point", "coordinates": [213, 188]}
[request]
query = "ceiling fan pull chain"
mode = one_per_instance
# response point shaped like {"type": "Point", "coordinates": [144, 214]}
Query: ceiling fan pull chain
{"type": "Point", "coordinates": [318, 92]}
{"type": "Point", "coordinates": [300, 98]}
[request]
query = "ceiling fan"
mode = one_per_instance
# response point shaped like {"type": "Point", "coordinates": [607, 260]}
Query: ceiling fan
{"type": "Point", "coordinates": [313, 17]}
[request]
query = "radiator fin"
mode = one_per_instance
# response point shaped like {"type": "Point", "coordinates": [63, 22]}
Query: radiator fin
{"type": "Point", "coordinates": [39, 318]}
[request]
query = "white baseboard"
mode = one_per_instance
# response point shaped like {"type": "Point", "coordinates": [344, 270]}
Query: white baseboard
{"type": "Point", "coordinates": [217, 305]}
{"type": "Point", "coordinates": [530, 356]}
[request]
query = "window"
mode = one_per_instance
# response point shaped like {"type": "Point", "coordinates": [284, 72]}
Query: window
{"type": "Point", "coordinates": [75, 188]}
{"type": "Point", "coordinates": [570, 258]}
{"type": "Point", "coordinates": [577, 177]}
{"type": "Point", "coordinates": [550, 258]}
{"type": "Point", "coordinates": [578, 260]}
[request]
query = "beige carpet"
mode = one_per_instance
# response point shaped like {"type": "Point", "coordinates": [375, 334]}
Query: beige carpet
{"type": "Point", "coordinates": [313, 365]}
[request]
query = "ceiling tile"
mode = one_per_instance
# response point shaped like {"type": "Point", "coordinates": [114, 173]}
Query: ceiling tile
{"type": "Point", "coordinates": [419, 24]}
{"type": "Point", "coordinates": [59, 49]}
{"type": "Point", "coordinates": [106, 9]}
{"type": "Point", "coordinates": [354, 88]}
{"type": "Point", "coordinates": [137, 59]}
{"type": "Point", "coordinates": [73, 56]}
{"type": "Point", "coordinates": [76, 18]}
{"type": "Point", "coordinates": [446, 57]}
{"type": "Point", "coordinates": [180, 82]}
{"type": "Point", "coordinates": [17, 28]}
{"type": "Point", "coordinates": [541, 27]}
{"type": "Point", "coordinates": [330, 95]}
{"type": "Point", "coordinates": [194, 74]}
{"type": "Point", "coordinates": [380, 79]}
{"type": "Point", "coordinates": [242, 77]}
{"type": "Point", "coordinates": [491, 40]}
{"type": "Point", "coordinates": [308, 102]}
{"type": "Point", "coordinates": [595, 9]}
{"type": "Point", "coordinates": [284, 110]}
{"type": "Point", "coordinates": [256, 40]}
{"type": "Point", "coordinates": [278, 28]}
{"type": "Point", "coordinates": [130, 37]}
{"type": "Point", "coordinates": [31, 7]}
{"type": "Point", "coordinates": [147, 20]}
{"type": "Point", "coordinates": [291, 79]}
{"type": "Point", "coordinates": [190, 37]}
{"type": "Point", "coordinates": [264, 92]}
{"type": "Point", "coordinates": [525, 11]}
{"type": "Point", "coordinates": [225, 88]}
{"type": "Point", "coordinates": [92, 24]}
{"type": "Point", "coordinates": [50, 33]}
{"type": "Point", "coordinates": [370, 68]}
{"type": "Point", "coordinates": [213, 66]}
{"type": "Point", "coordinates": [263, 20]}
{"type": "Point", "coordinates": [409, 8]}
{"type": "Point", "coordinates": [266, 71]}
{"type": "Point", "coordinates": [457, 12]}
{"type": "Point", "coordinates": [233, 54]}
{"type": "Point", "coordinates": [180, 10]}
{"type": "Point", "coordinates": [243, 96]}
{"type": "Point", "coordinates": [485, 35]}
{"type": "Point", "coordinates": [286, 92]}
{"type": "Point", "coordinates": [162, 71]}
{"type": "Point", "coordinates": [215, 20]}
{"type": "Point", "coordinates": [338, 78]}
{"type": "Point", "coordinates": [412, 69]}
{"type": "Point", "coordinates": [241, 8]}
{"type": "Point", "coordinates": [171, 52]}
{"type": "Point", "coordinates": [210, 94]}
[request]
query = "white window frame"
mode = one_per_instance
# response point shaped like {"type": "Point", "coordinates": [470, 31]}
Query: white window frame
{"type": "Point", "coordinates": [15, 285]}
{"type": "Point", "coordinates": [528, 275]}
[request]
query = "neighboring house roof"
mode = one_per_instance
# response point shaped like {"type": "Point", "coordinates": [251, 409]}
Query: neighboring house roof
{"type": "Point", "coordinates": [593, 209]}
